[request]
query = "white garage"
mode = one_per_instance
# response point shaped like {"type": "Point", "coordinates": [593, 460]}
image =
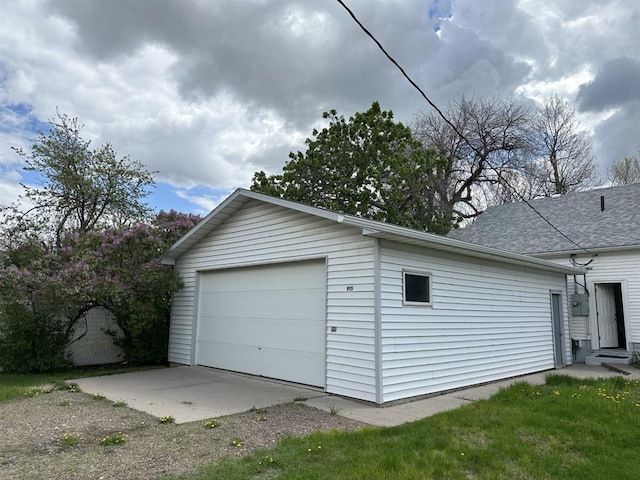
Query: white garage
{"type": "Point", "coordinates": [360, 308]}
{"type": "Point", "coordinates": [267, 320]}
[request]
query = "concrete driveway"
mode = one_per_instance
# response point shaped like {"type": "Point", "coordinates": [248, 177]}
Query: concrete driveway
{"type": "Point", "coordinates": [193, 393]}
{"type": "Point", "coordinates": [197, 393]}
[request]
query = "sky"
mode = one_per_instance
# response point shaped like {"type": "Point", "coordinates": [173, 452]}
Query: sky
{"type": "Point", "coordinates": [207, 92]}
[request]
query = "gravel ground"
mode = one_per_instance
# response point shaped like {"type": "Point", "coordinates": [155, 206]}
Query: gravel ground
{"type": "Point", "coordinates": [30, 429]}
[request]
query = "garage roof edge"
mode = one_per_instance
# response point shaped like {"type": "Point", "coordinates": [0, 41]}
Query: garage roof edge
{"type": "Point", "coordinates": [370, 228]}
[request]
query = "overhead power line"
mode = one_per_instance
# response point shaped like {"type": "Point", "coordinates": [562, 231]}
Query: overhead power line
{"type": "Point", "coordinates": [453, 127]}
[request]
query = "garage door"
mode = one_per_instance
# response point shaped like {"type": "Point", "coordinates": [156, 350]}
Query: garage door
{"type": "Point", "coordinates": [267, 321]}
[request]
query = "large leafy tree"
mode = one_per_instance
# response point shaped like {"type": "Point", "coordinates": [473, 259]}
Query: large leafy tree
{"type": "Point", "coordinates": [368, 165]}
{"type": "Point", "coordinates": [81, 189]}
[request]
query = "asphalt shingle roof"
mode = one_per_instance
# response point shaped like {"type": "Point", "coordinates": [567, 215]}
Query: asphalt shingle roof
{"type": "Point", "coordinates": [515, 227]}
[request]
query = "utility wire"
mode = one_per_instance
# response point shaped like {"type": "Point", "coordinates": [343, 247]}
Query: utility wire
{"type": "Point", "coordinates": [448, 122]}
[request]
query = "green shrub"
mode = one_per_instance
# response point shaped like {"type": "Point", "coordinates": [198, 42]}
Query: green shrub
{"type": "Point", "coordinates": [31, 342]}
{"type": "Point", "coordinates": [145, 339]}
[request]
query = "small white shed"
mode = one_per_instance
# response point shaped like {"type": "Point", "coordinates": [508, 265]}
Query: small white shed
{"type": "Point", "coordinates": [359, 308]}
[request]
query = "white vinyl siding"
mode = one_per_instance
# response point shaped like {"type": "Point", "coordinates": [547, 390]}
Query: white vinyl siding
{"type": "Point", "coordinates": [262, 234]}
{"type": "Point", "coordinates": [609, 267]}
{"type": "Point", "coordinates": [487, 321]}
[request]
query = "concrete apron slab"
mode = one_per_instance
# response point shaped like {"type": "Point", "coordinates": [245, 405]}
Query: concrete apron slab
{"type": "Point", "coordinates": [411, 411]}
{"type": "Point", "coordinates": [193, 393]}
{"type": "Point", "coordinates": [386, 416]}
{"type": "Point", "coordinates": [198, 393]}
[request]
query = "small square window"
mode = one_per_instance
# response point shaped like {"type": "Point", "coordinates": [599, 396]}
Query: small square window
{"type": "Point", "coordinates": [417, 289]}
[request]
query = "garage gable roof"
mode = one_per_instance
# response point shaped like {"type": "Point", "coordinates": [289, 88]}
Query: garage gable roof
{"type": "Point", "coordinates": [370, 228]}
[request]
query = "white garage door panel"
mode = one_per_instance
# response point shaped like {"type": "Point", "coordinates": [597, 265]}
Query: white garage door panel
{"type": "Point", "coordinates": [302, 367]}
{"type": "Point", "coordinates": [265, 333]}
{"type": "Point", "coordinates": [267, 321]}
{"type": "Point", "coordinates": [291, 365]}
{"type": "Point", "coordinates": [240, 358]}
{"type": "Point", "coordinates": [293, 303]}
{"type": "Point", "coordinates": [268, 277]}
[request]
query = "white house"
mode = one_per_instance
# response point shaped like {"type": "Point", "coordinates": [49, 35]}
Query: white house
{"type": "Point", "coordinates": [598, 229]}
{"type": "Point", "coordinates": [359, 308]}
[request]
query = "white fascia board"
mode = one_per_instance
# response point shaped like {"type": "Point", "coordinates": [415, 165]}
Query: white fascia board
{"type": "Point", "coordinates": [439, 242]}
{"type": "Point", "coordinates": [191, 237]}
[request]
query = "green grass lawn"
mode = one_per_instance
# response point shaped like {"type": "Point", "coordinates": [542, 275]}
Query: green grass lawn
{"type": "Point", "coordinates": [566, 429]}
{"type": "Point", "coordinates": [15, 385]}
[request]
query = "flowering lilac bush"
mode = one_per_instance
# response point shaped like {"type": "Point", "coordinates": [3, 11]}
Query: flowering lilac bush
{"type": "Point", "coordinates": [85, 239]}
{"type": "Point", "coordinates": [45, 293]}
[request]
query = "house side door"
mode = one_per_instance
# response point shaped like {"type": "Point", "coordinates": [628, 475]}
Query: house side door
{"type": "Point", "coordinates": [606, 315]}
{"type": "Point", "coordinates": [558, 329]}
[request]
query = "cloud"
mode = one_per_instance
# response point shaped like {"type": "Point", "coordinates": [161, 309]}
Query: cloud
{"type": "Point", "coordinates": [207, 93]}
{"type": "Point", "coordinates": [617, 136]}
{"type": "Point", "coordinates": [298, 59]}
{"type": "Point", "coordinates": [207, 201]}
{"type": "Point", "coordinates": [479, 69]}
{"type": "Point", "coordinates": [616, 84]}
{"type": "Point", "coordinates": [10, 188]}
{"type": "Point", "coordinates": [615, 93]}
{"type": "Point", "coordinates": [573, 36]}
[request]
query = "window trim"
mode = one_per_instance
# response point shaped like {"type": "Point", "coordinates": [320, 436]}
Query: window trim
{"type": "Point", "coordinates": [428, 276]}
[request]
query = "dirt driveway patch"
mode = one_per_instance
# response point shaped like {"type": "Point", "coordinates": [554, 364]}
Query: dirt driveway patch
{"type": "Point", "coordinates": [30, 445]}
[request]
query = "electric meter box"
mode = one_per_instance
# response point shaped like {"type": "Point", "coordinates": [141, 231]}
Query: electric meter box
{"type": "Point", "coordinates": [579, 304]}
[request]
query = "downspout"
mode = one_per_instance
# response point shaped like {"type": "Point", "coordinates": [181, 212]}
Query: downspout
{"type": "Point", "coordinates": [377, 320]}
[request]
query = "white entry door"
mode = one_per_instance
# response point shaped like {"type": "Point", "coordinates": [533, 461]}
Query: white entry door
{"type": "Point", "coordinates": [606, 312]}
{"type": "Point", "coordinates": [267, 320]}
